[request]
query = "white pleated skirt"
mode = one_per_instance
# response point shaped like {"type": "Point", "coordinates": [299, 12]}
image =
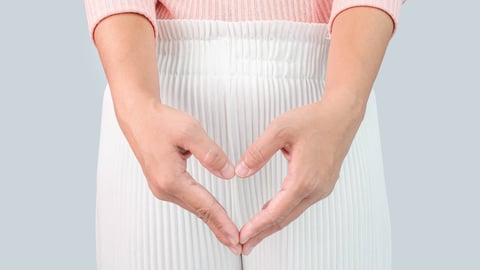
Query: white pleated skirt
{"type": "Point", "coordinates": [235, 78]}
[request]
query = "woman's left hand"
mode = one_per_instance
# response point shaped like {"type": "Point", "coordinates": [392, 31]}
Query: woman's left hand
{"type": "Point", "coordinates": [314, 139]}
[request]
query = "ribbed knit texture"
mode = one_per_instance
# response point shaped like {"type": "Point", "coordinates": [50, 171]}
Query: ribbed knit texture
{"type": "Point", "coordinates": [319, 11]}
{"type": "Point", "coordinates": [235, 77]}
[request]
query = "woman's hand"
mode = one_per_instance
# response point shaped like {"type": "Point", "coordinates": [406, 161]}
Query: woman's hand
{"type": "Point", "coordinates": [315, 140]}
{"type": "Point", "coordinates": [162, 139]}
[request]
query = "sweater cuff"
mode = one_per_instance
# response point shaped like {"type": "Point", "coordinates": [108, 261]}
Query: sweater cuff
{"type": "Point", "coordinates": [391, 7]}
{"type": "Point", "coordinates": [97, 10]}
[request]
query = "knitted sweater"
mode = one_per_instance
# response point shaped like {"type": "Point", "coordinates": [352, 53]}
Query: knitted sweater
{"type": "Point", "coordinates": [319, 11]}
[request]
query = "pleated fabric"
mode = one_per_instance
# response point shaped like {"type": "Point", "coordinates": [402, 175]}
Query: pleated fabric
{"type": "Point", "coordinates": [235, 78]}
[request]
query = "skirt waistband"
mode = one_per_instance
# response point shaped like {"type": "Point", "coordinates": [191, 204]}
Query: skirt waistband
{"type": "Point", "coordinates": [268, 48]}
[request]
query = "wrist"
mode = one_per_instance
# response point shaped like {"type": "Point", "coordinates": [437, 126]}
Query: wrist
{"type": "Point", "coordinates": [134, 104]}
{"type": "Point", "coordinates": [347, 103]}
{"type": "Point", "coordinates": [352, 100]}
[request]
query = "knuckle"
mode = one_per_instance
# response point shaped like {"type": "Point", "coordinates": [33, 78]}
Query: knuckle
{"type": "Point", "coordinates": [329, 185]}
{"type": "Point", "coordinates": [206, 213]}
{"type": "Point", "coordinates": [162, 185]}
{"type": "Point", "coordinates": [326, 192]}
{"type": "Point", "coordinates": [313, 190]}
{"type": "Point", "coordinates": [322, 192]}
{"type": "Point", "coordinates": [214, 158]}
{"type": "Point", "coordinates": [186, 129]}
{"type": "Point", "coordinates": [166, 186]}
{"type": "Point", "coordinates": [255, 155]}
{"type": "Point", "coordinates": [328, 189]}
{"type": "Point", "coordinates": [304, 190]}
{"type": "Point", "coordinates": [305, 186]}
{"type": "Point", "coordinates": [157, 192]}
{"type": "Point", "coordinates": [281, 131]}
{"type": "Point", "coordinates": [318, 186]}
{"type": "Point", "coordinates": [276, 222]}
{"type": "Point", "coordinates": [277, 226]}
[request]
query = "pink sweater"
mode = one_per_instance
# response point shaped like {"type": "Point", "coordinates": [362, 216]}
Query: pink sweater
{"type": "Point", "coordinates": [320, 11]}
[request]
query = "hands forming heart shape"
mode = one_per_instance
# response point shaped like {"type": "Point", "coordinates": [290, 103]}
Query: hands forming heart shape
{"type": "Point", "coordinates": [314, 139]}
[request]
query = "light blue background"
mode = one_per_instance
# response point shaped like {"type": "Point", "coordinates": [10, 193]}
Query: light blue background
{"type": "Point", "coordinates": [51, 85]}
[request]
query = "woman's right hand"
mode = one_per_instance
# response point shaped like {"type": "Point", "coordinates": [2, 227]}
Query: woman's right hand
{"type": "Point", "coordinates": [162, 139]}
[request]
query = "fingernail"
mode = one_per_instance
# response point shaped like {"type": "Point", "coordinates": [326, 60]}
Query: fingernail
{"type": "Point", "coordinates": [237, 250]}
{"type": "Point", "coordinates": [242, 170]}
{"type": "Point", "coordinates": [247, 250]}
{"type": "Point", "coordinates": [244, 240]}
{"type": "Point", "coordinates": [228, 171]}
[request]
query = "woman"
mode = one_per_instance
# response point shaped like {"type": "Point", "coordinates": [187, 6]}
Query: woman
{"type": "Point", "coordinates": [234, 82]}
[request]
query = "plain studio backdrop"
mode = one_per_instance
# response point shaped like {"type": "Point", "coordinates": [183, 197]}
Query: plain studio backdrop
{"type": "Point", "coordinates": [51, 86]}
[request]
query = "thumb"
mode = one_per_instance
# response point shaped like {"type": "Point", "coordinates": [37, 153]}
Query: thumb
{"type": "Point", "coordinates": [210, 155]}
{"type": "Point", "coordinates": [260, 152]}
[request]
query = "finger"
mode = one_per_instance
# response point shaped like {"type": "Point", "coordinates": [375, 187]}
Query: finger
{"type": "Point", "coordinates": [195, 198]}
{"type": "Point", "coordinates": [295, 213]}
{"type": "Point", "coordinates": [258, 154]}
{"type": "Point", "coordinates": [273, 214]}
{"type": "Point", "coordinates": [210, 155]}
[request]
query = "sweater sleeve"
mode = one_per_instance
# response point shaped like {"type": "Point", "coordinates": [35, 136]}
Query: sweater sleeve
{"type": "Point", "coordinates": [391, 7]}
{"type": "Point", "coordinates": [97, 10]}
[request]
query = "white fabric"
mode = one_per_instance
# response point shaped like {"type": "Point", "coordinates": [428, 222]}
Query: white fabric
{"type": "Point", "coordinates": [235, 77]}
